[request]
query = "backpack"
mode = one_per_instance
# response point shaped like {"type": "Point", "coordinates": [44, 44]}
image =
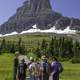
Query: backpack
{"type": "Point", "coordinates": [60, 68]}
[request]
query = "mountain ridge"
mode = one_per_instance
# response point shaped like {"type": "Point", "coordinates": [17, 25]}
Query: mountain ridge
{"type": "Point", "coordinates": [37, 12]}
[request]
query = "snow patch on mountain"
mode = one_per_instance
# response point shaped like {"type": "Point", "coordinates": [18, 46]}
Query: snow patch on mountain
{"type": "Point", "coordinates": [1, 35]}
{"type": "Point", "coordinates": [54, 30]}
{"type": "Point", "coordinates": [9, 34]}
{"type": "Point", "coordinates": [35, 30]}
{"type": "Point", "coordinates": [34, 26]}
{"type": "Point", "coordinates": [68, 31]}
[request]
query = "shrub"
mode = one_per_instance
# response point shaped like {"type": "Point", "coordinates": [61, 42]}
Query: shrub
{"type": "Point", "coordinates": [75, 60]}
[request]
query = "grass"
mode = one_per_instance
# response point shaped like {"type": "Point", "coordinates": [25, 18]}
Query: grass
{"type": "Point", "coordinates": [6, 69]}
{"type": "Point", "coordinates": [71, 71]}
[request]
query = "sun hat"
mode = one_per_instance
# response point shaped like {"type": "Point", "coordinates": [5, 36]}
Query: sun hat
{"type": "Point", "coordinates": [31, 59]}
{"type": "Point", "coordinates": [43, 57]}
{"type": "Point", "coordinates": [16, 53]}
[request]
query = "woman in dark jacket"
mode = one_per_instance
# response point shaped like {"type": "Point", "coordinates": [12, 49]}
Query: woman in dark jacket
{"type": "Point", "coordinates": [56, 68]}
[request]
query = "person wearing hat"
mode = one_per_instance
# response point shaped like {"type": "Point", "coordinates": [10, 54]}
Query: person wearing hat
{"type": "Point", "coordinates": [15, 65]}
{"type": "Point", "coordinates": [33, 69]}
{"type": "Point", "coordinates": [44, 69]}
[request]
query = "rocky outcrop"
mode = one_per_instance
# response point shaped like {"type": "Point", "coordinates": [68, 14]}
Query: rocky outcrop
{"type": "Point", "coordinates": [37, 12]}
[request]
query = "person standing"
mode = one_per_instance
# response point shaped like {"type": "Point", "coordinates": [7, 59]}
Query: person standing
{"type": "Point", "coordinates": [56, 69]}
{"type": "Point", "coordinates": [22, 70]}
{"type": "Point", "coordinates": [15, 65]}
{"type": "Point", "coordinates": [44, 69]}
{"type": "Point", "coordinates": [34, 69]}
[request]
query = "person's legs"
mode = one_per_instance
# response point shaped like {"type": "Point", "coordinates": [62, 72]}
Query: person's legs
{"type": "Point", "coordinates": [31, 77]}
{"type": "Point", "coordinates": [19, 77]}
{"type": "Point", "coordinates": [14, 78]}
{"type": "Point", "coordinates": [14, 74]}
{"type": "Point", "coordinates": [46, 77]}
{"type": "Point", "coordinates": [23, 77]}
{"type": "Point", "coordinates": [56, 76]}
{"type": "Point", "coordinates": [37, 78]}
{"type": "Point", "coordinates": [40, 77]}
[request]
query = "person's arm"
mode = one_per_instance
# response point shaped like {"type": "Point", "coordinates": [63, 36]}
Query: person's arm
{"type": "Point", "coordinates": [54, 68]}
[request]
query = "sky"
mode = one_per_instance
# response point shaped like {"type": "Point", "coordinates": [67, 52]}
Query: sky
{"type": "Point", "coordinates": [68, 8]}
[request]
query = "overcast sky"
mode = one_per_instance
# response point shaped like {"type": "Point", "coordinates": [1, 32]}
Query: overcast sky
{"type": "Point", "coordinates": [69, 8]}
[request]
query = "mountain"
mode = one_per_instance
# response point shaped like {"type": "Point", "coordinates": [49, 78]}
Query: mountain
{"type": "Point", "coordinates": [37, 12]}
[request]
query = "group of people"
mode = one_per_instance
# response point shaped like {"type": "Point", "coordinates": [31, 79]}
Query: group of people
{"type": "Point", "coordinates": [36, 69]}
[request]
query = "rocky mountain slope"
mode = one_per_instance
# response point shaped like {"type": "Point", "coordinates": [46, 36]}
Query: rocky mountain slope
{"type": "Point", "coordinates": [37, 12]}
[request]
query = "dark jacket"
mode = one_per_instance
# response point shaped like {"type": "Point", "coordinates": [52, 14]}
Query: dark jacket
{"type": "Point", "coordinates": [22, 71]}
{"type": "Point", "coordinates": [15, 65]}
{"type": "Point", "coordinates": [56, 69]}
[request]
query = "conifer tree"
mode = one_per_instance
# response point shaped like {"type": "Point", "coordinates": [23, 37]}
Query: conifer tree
{"type": "Point", "coordinates": [44, 47]}
{"type": "Point", "coordinates": [20, 46]}
{"type": "Point", "coordinates": [51, 48]}
{"type": "Point", "coordinates": [38, 52]}
{"type": "Point", "coordinates": [3, 46]}
{"type": "Point", "coordinates": [13, 48]}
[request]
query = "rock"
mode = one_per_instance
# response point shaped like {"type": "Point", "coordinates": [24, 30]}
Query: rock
{"type": "Point", "coordinates": [37, 12]}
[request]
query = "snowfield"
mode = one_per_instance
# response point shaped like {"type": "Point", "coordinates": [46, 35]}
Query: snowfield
{"type": "Point", "coordinates": [35, 30]}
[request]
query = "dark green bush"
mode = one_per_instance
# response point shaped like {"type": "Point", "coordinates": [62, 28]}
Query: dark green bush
{"type": "Point", "coordinates": [75, 60]}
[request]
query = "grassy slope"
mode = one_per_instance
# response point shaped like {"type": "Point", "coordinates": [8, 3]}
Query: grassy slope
{"type": "Point", "coordinates": [31, 40]}
{"type": "Point", "coordinates": [6, 62]}
{"type": "Point", "coordinates": [71, 71]}
{"type": "Point", "coordinates": [28, 40]}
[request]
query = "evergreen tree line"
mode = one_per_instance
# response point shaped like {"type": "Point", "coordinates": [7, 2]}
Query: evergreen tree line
{"type": "Point", "coordinates": [63, 48]}
{"type": "Point", "coordinates": [12, 47]}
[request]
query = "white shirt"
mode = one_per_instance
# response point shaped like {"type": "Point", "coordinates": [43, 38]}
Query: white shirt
{"type": "Point", "coordinates": [21, 57]}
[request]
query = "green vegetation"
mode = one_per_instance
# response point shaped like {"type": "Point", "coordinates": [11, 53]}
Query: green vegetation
{"type": "Point", "coordinates": [6, 69]}
{"type": "Point", "coordinates": [65, 48]}
{"type": "Point", "coordinates": [71, 71]}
